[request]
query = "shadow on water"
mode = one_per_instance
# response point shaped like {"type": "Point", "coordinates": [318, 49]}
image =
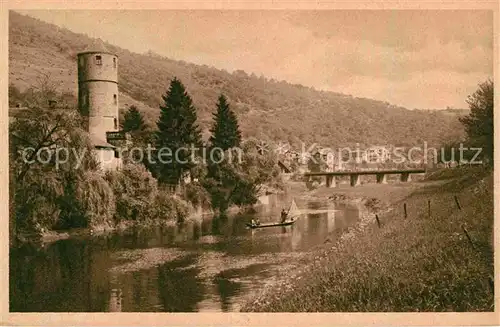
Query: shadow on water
{"type": "Point", "coordinates": [228, 288]}
{"type": "Point", "coordinates": [180, 290]}
{"type": "Point", "coordinates": [211, 264]}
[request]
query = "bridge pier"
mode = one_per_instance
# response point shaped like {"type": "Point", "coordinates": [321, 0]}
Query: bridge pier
{"type": "Point", "coordinates": [331, 181]}
{"type": "Point", "coordinates": [405, 177]}
{"type": "Point", "coordinates": [381, 179]}
{"type": "Point", "coordinates": [381, 175]}
{"type": "Point", "coordinates": [354, 179]}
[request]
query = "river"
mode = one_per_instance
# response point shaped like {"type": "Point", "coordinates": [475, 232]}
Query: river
{"type": "Point", "coordinates": [203, 265]}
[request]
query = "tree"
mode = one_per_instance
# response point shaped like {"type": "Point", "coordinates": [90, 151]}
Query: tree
{"type": "Point", "coordinates": [226, 180]}
{"type": "Point", "coordinates": [221, 181]}
{"type": "Point", "coordinates": [54, 172]}
{"type": "Point", "coordinates": [238, 180]}
{"type": "Point", "coordinates": [225, 129]}
{"type": "Point", "coordinates": [479, 123]}
{"type": "Point", "coordinates": [135, 126]}
{"type": "Point", "coordinates": [177, 133]}
{"type": "Point", "coordinates": [133, 121]}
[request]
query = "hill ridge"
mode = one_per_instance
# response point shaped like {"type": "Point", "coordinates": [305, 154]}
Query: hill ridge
{"type": "Point", "coordinates": [267, 109]}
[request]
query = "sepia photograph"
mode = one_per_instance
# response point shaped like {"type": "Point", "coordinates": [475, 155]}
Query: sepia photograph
{"type": "Point", "coordinates": [214, 161]}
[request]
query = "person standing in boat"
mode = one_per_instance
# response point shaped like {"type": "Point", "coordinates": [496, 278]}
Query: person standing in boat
{"type": "Point", "coordinates": [283, 215]}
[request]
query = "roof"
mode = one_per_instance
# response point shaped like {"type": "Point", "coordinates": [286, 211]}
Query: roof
{"type": "Point", "coordinates": [97, 46]}
{"type": "Point", "coordinates": [284, 167]}
{"type": "Point", "coordinates": [101, 143]}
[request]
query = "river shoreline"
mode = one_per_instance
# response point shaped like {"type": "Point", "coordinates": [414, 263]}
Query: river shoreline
{"type": "Point", "coordinates": [367, 198]}
{"type": "Point", "coordinates": [353, 274]}
{"type": "Point", "coordinates": [46, 237]}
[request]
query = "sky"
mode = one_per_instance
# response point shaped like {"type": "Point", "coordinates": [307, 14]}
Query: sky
{"type": "Point", "coordinates": [417, 59]}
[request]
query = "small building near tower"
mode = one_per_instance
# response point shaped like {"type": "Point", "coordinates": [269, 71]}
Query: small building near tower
{"type": "Point", "coordinates": [98, 101]}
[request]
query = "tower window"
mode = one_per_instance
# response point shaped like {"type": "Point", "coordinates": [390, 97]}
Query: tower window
{"type": "Point", "coordinates": [114, 62]}
{"type": "Point", "coordinates": [115, 121]}
{"type": "Point", "coordinates": [98, 60]}
{"type": "Point", "coordinates": [84, 99]}
{"type": "Point", "coordinates": [114, 99]}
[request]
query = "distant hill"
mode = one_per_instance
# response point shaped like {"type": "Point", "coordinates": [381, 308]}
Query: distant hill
{"type": "Point", "coordinates": [267, 109]}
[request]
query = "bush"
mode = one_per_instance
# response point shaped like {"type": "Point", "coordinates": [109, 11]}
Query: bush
{"type": "Point", "coordinates": [167, 207]}
{"type": "Point", "coordinates": [197, 195]}
{"type": "Point", "coordinates": [96, 199]}
{"type": "Point", "coordinates": [138, 197]}
{"type": "Point", "coordinates": [135, 190]}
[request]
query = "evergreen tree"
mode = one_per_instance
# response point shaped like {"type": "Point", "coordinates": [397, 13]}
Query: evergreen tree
{"type": "Point", "coordinates": [135, 125]}
{"type": "Point", "coordinates": [177, 131]}
{"type": "Point", "coordinates": [133, 121]}
{"type": "Point", "coordinates": [223, 179]}
{"type": "Point", "coordinates": [225, 129]}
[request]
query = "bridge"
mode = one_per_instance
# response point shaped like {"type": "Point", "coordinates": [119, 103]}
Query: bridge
{"type": "Point", "coordinates": [354, 175]}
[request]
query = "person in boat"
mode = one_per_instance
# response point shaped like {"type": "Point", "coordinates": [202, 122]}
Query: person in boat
{"type": "Point", "coordinates": [283, 215]}
{"type": "Point", "coordinates": [257, 222]}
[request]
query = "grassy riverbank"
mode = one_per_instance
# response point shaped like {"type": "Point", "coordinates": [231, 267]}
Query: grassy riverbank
{"type": "Point", "coordinates": [418, 263]}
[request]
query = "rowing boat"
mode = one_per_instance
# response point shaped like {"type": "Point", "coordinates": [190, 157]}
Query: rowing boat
{"type": "Point", "coordinates": [292, 211]}
{"type": "Point", "coordinates": [286, 223]}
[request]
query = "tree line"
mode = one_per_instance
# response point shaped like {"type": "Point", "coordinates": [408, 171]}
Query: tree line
{"type": "Point", "coordinates": [226, 180]}
{"type": "Point", "coordinates": [48, 195]}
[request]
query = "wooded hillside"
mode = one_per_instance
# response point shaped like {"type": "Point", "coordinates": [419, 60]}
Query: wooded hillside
{"type": "Point", "coordinates": [267, 109]}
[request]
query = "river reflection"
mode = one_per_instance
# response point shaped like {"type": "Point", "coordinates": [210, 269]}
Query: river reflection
{"type": "Point", "coordinates": [200, 266]}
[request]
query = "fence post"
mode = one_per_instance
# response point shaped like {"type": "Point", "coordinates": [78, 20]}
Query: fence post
{"type": "Point", "coordinates": [378, 221]}
{"type": "Point", "coordinates": [458, 203]}
{"type": "Point", "coordinates": [429, 207]}
{"type": "Point", "coordinates": [468, 236]}
{"type": "Point", "coordinates": [406, 213]}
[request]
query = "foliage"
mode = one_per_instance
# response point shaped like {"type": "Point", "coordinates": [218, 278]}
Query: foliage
{"type": "Point", "coordinates": [44, 186]}
{"type": "Point", "coordinates": [267, 109]}
{"type": "Point", "coordinates": [221, 182]}
{"type": "Point", "coordinates": [259, 166]}
{"type": "Point", "coordinates": [197, 195]}
{"type": "Point", "coordinates": [234, 176]}
{"type": "Point", "coordinates": [479, 123]}
{"type": "Point", "coordinates": [315, 164]}
{"type": "Point", "coordinates": [139, 198]}
{"type": "Point", "coordinates": [239, 177]}
{"type": "Point", "coordinates": [225, 130]}
{"type": "Point", "coordinates": [133, 123]}
{"type": "Point", "coordinates": [177, 132]}
{"type": "Point", "coordinates": [168, 207]}
{"type": "Point", "coordinates": [96, 199]}
{"type": "Point", "coordinates": [456, 153]}
{"type": "Point", "coordinates": [135, 190]}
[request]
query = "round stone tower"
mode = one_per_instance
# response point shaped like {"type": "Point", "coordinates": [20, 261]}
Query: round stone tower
{"type": "Point", "coordinates": [98, 90]}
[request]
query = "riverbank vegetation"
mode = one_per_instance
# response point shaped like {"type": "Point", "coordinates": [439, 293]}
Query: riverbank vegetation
{"type": "Point", "coordinates": [72, 192]}
{"type": "Point", "coordinates": [57, 182]}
